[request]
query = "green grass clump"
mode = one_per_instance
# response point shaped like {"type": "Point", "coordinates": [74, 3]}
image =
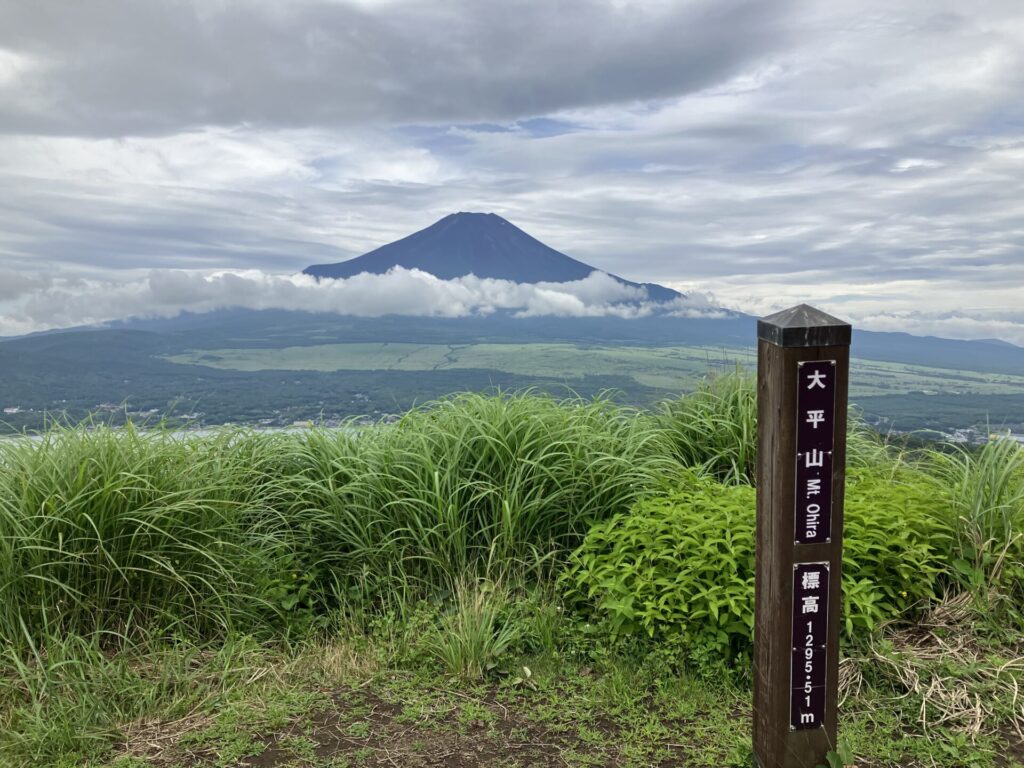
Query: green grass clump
{"type": "Point", "coordinates": [987, 486]}
{"type": "Point", "coordinates": [122, 532]}
{"type": "Point", "coordinates": [118, 532]}
{"type": "Point", "coordinates": [473, 485]}
{"type": "Point", "coordinates": [477, 632]}
{"type": "Point", "coordinates": [715, 428]}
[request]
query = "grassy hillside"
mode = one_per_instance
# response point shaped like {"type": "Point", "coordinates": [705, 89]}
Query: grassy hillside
{"type": "Point", "coordinates": [489, 581]}
{"type": "Point", "coordinates": [279, 367]}
{"type": "Point", "coordinates": [664, 368]}
{"type": "Point", "coordinates": [894, 395]}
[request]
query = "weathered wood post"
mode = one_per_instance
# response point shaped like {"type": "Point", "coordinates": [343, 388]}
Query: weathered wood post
{"type": "Point", "coordinates": [803, 360]}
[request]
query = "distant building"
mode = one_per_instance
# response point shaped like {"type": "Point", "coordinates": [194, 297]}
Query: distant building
{"type": "Point", "coordinates": [12, 409]}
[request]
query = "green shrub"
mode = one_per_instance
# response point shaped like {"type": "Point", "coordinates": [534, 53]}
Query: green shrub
{"type": "Point", "coordinates": [678, 565]}
{"type": "Point", "coordinates": [681, 566]}
{"type": "Point", "coordinates": [896, 545]}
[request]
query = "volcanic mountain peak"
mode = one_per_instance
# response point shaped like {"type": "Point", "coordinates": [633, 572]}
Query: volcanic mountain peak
{"type": "Point", "coordinates": [482, 244]}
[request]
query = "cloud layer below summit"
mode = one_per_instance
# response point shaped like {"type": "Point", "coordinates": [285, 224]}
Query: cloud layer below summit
{"type": "Point", "coordinates": [37, 304]}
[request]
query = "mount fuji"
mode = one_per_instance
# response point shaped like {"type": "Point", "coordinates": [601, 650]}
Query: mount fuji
{"type": "Point", "coordinates": [480, 244]}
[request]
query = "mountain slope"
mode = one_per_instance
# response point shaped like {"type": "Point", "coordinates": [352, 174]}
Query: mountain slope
{"type": "Point", "coordinates": [482, 244]}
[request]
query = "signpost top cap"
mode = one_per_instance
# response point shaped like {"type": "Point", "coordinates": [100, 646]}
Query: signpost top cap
{"type": "Point", "coordinates": [803, 326]}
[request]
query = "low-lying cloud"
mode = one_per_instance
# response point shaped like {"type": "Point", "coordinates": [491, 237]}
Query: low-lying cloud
{"type": "Point", "coordinates": [62, 303]}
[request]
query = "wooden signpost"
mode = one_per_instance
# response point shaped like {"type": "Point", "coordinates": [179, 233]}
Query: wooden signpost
{"type": "Point", "coordinates": [803, 360]}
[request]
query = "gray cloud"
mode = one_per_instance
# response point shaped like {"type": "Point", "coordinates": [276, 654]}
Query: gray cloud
{"type": "Point", "coordinates": [868, 157]}
{"type": "Point", "coordinates": [14, 284]}
{"type": "Point", "coordinates": [116, 67]}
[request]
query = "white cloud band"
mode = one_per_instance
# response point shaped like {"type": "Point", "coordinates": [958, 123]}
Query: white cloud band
{"type": "Point", "coordinates": [60, 303]}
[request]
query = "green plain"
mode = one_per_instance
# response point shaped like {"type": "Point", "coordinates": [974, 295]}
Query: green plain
{"type": "Point", "coordinates": [668, 368]}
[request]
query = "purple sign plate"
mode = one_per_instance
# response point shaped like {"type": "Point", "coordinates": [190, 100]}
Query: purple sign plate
{"type": "Point", "coordinates": [810, 630]}
{"type": "Point", "coordinates": [815, 438]}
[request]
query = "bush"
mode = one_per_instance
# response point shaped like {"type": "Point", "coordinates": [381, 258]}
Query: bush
{"type": "Point", "coordinates": [896, 546]}
{"type": "Point", "coordinates": [681, 566]}
{"type": "Point", "coordinates": [678, 565]}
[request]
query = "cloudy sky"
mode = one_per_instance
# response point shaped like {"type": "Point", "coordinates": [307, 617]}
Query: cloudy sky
{"type": "Point", "coordinates": [865, 156]}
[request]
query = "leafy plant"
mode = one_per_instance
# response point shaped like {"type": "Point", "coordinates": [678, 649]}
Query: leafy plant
{"type": "Point", "coordinates": [840, 757]}
{"type": "Point", "coordinates": [682, 565]}
{"type": "Point", "coordinates": [896, 545]}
